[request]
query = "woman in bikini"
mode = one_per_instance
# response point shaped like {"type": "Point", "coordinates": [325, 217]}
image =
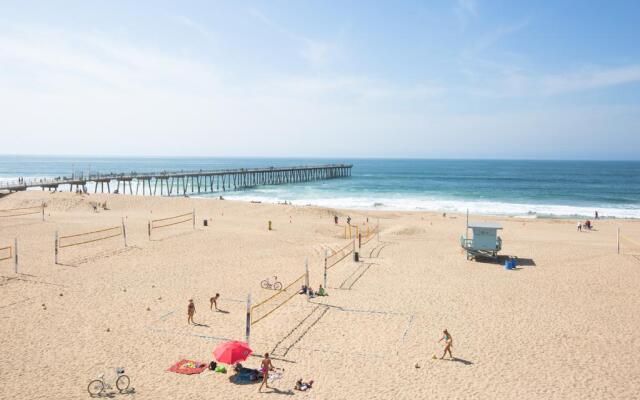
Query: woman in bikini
{"type": "Point", "coordinates": [448, 343]}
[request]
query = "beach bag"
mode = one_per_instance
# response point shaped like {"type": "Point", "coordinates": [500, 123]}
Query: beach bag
{"type": "Point", "coordinates": [213, 365]}
{"type": "Point", "coordinates": [221, 368]}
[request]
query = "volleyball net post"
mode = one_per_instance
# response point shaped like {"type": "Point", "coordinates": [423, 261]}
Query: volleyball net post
{"type": "Point", "coordinates": [15, 255]}
{"type": "Point", "coordinates": [306, 277]}
{"type": "Point", "coordinates": [325, 267]}
{"type": "Point", "coordinates": [193, 217]}
{"type": "Point", "coordinates": [56, 243]}
{"type": "Point", "coordinates": [42, 212]}
{"type": "Point", "coordinates": [247, 331]}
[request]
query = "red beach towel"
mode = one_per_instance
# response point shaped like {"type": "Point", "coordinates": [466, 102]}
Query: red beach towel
{"type": "Point", "coordinates": [188, 367]}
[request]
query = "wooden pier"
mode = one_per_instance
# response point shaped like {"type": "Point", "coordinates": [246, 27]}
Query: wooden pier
{"type": "Point", "coordinates": [167, 183]}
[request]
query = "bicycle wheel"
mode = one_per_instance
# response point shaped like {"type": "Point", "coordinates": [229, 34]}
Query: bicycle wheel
{"type": "Point", "coordinates": [122, 383]}
{"type": "Point", "coordinates": [95, 387]}
{"type": "Point", "coordinates": [265, 284]}
{"type": "Point", "coordinates": [277, 286]}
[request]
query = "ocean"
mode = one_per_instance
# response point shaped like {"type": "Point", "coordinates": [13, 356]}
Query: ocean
{"type": "Point", "coordinates": [534, 189]}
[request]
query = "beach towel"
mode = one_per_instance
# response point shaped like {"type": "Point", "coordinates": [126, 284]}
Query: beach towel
{"type": "Point", "coordinates": [188, 367]}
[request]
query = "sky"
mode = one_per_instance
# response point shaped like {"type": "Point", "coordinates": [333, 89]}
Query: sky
{"type": "Point", "coordinates": [416, 79]}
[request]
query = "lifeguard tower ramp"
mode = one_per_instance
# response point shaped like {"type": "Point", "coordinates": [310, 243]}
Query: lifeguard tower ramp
{"type": "Point", "coordinates": [484, 241]}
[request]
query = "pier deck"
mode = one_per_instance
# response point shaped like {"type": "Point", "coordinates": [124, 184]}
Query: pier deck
{"type": "Point", "coordinates": [167, 183]}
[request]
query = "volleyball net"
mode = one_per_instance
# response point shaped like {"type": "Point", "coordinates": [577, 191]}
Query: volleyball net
{"type": "Point", "coordinates": [336, 256]}
{"type": "Point", "coordinates": [369, 233]}
{"type": "Point", "coordinates": [266, 307]}
{"type": "Point", "coordinates": [6, 253]}
{"type": "Point", "coordinates": [351, 231]}
{"type": "Point", "coordinates": [22, 211]}
{"type": "Point", "coordinates": [10, 252]}
{"type": "Point", "coordinates": [84, 238]}
{"type": "Point", "coordinates": [171, 221]}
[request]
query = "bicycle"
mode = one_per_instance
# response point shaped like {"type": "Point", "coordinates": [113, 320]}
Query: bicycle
{"type": "Point", "coordinates": [266, 284]}
{"type": "Point", "coordinates": [97, 386]}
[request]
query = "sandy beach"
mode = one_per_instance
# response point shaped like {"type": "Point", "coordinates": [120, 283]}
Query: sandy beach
{"type": "Point", "coordinates": [564, 325]}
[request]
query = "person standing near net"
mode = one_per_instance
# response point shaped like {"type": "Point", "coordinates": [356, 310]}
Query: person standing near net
{"type": "Point", "coordinates": [191, 309]}
{"type": "Point", "coordinates": [214, 302]}
{"type": "Point", "coordinates": [265, 367]}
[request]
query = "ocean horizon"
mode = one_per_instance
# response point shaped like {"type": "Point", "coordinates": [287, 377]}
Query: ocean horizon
{"type": "Point", "coordinates": [524, 188]}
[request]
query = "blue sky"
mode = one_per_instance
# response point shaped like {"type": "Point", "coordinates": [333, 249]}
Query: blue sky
{"type": "Point", "coordinates": [442, 79]}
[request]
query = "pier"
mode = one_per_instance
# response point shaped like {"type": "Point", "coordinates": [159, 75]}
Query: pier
{"type": "Point", "coordinates": [168, 183]}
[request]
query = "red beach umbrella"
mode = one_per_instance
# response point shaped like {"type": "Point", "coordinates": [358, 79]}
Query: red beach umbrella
{"type": "Point", "coordinates": [232, 352]}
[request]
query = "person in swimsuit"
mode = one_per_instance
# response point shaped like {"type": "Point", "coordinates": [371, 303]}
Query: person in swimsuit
{"type": "Point", "coordinates": [191, 309]}
{"type": "Point", "coordinates": [214, 301]}
{"type": "Point", "coordinates": [448, 343]}
{"type": "Point", "coordinates": [265, 367]}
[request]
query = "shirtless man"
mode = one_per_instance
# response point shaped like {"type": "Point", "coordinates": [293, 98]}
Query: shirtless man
{"type": "Point", "coordinates": [191, 309]}
{"type": "Point", "coordinates": [214, 302]}
{"type": "Point", "coordinates": [265, 367]}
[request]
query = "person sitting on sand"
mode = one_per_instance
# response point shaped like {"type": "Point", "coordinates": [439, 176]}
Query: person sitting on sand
{"type": "Point", "coordinates": [265, 367]}
{"type": "Point", "coordinates": [303, 386]}
{"type": "Point", "coordinates": [310, 292]}
{"type": "Point", "coordinates": [448, 343]}
{"type": "Point", "coordinates": [321, 292]}
{"type": "Point", "coordinates": [191, 309]}
{"type": "Point", "coordinates": [214, 302]}
{"type": "Point", "coordinates": [303, 289]}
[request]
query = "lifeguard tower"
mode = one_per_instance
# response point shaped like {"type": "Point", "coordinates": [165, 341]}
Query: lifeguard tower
{"type": "Point", "coordinates": [485, 241]}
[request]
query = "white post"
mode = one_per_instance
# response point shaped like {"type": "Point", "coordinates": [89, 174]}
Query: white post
{"type": "Point", "coordinates": [15, 255]}
{"type": "Point", "coordinates": [618, 239]}
{"type": "Point", "coordinates": [56, 247]}
{"type": "Point", "coordinates": [43, 211]}
{"type": "Point", "coordinates": [247, 333]}
{"type": "Point", "coordinates": [466, 231]}
{"type": "Point", "coordinates": [306, 276]}
{"type": "Point", "coordinates": [193, 217]}
{"type": "Point", "coordinates": [124, 233]}
{"type": "Point", "coordinates": [325, 268]}
{"type": "Point", "coordinates": [149, 229]}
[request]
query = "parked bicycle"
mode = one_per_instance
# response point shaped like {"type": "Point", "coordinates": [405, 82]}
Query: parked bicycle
{"type": "Point", "coordinates": [97, 386]}
{"type": "Point", "coordinates": [275, 285]}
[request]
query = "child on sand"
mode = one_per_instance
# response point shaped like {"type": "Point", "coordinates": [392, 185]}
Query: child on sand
{"type": "Point", "coordinates": [191, 309]}
{"type": "Point", "coordinates": [214, 302]}
{"type": "Point", "coordinates": [448, 343]}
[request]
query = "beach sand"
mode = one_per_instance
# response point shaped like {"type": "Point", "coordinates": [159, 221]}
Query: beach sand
{"type": "Point", "coordinates": [565, 326]}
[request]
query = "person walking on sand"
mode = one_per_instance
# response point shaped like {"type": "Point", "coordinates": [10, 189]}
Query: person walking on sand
{"type": "Point", "coordinates": [214, 302]}
{"type": "Point", "coordinates": [448, 343]}
{"type": "Point", "coordinates": [191, 309]}
{"type": "Point", "coordinates": [265, 367]}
